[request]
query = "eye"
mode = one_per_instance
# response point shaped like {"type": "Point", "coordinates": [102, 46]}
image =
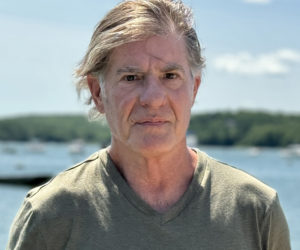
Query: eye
{"type": "Point", "coordinates": [130, 78]}
{"type": "Point", "coordinates": [172, 80]}
{"type": "Point", "coordinates": [170, 76]}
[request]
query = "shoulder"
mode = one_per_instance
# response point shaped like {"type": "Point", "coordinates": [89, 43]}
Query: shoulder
{"type": "Point", "coordinates": [239, 200]}
{"type": "Point", "coordinates": [48, 211]}
{"type": "Point", "coordinates": [66, 186]}
{"type": "Point", "coordinates": [228, 181]}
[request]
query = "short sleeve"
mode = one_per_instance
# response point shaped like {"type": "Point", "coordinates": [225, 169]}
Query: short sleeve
{"type": "Point", "coordinates": [25, 232]}
{"type": "Point", "coordinates": [275, 232]}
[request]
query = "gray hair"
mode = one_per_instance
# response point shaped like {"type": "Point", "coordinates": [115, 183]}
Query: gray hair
{"type": "Point", "coordinates": [131, 21]}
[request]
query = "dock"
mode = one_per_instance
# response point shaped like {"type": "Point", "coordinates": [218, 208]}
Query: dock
{"type": "Point", "coordinates": [25, 180]}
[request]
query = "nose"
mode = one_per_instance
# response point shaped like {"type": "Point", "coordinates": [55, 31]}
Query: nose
{"type": "Point", "coordinates": [152, 93]}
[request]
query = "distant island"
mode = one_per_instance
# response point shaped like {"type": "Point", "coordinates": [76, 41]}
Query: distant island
{"type": "Point", "coordinates": [245, 128]}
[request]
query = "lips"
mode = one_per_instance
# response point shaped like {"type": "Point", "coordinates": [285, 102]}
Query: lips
{"type": "Point", "coordinates": [151, 122]}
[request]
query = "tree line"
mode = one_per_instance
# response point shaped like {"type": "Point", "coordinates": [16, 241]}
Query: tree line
{"type": "Point", "coordinates": [246, 128]}
{"type": "Point", "coordinates": [219, 128]}
{"type": "Point", "coordinates": [53, 128]}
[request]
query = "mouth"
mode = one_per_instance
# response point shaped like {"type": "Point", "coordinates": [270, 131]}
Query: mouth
{"type": "Point", "coordinates": [154, 123]}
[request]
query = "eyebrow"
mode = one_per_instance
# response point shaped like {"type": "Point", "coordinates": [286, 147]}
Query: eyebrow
{"type": "Point", "coordinates": [173, 67]}
{"type": "Point", "coordinates": [168, 67]}
{"type": "Point", "coordinates": [129, 69]}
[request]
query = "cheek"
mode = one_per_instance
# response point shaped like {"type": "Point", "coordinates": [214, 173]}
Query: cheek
{"type": "Point", "coordinates": [182, 104]}
{"type": "Point", "coordinates": [120, 104]}
{"type": "Point", "coordinates": [184, 99]}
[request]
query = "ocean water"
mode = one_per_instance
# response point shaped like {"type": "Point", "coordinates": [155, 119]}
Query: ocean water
{"type": "Point", "coordinates": [272, 166]}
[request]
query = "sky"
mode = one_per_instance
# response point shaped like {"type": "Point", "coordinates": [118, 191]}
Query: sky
{"type": "Point", "coordinates": [252, 51]}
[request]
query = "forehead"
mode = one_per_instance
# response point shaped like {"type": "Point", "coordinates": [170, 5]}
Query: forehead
{"type": "Point", "coordinates": [155, 51]}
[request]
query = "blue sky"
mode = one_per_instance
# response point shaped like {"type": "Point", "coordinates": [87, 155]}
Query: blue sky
{"type": "Point", "coordinates": [252, 48]}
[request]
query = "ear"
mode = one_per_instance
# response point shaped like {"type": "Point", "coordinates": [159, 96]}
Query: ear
{"type": "Point", "coordinates": [197, 82]}
{"type": "Point", "coordinates": [95, 89]}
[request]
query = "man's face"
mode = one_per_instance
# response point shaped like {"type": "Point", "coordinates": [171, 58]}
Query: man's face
{"type": "Point", "coordinates": [148, 95]}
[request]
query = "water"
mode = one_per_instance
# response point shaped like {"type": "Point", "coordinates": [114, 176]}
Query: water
{"type": "Point", "coordinates": [269, 165]}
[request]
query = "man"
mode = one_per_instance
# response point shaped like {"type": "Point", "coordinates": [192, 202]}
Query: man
{"type": "Point", "coordinates": [148, 190]}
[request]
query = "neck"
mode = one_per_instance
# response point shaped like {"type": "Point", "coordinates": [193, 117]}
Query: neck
{"type": "Point", "coordinates": [159, 180]}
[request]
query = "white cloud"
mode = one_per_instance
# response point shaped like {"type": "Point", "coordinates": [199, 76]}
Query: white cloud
{"type": "Point", "coordinates": [258, 1]}
{"type": "Point", "coordinates": [278, 62]}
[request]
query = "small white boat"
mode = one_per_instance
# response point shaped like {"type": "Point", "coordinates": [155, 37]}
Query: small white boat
{"type": "Point", "coordinates": [254, 151]}
{"type": "Point", "coordinates": [191, 140]}
{"type": "Point", "coordinates": [36, 146]}
{"type": "Point", "coordinates": [292, 151]}
{"type": "Point", "coordinates": [77, 147]}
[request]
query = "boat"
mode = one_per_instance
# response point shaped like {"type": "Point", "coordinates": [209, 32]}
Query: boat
{"type": "Point", "coordinates": [25, 180]}
{"type": "Point", "coordinates": [292, 150]}
{"type": "Point", "coordinates": [35, 146]}
{"type": "Point", "coordinates": [77, 147]}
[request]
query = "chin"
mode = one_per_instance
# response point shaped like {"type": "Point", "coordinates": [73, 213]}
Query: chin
{"type": "Point", "coordinates": [154, 146]}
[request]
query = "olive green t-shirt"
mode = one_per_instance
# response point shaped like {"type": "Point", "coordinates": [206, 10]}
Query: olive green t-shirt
{"type": "Point", "coordinates": [91, 207]}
